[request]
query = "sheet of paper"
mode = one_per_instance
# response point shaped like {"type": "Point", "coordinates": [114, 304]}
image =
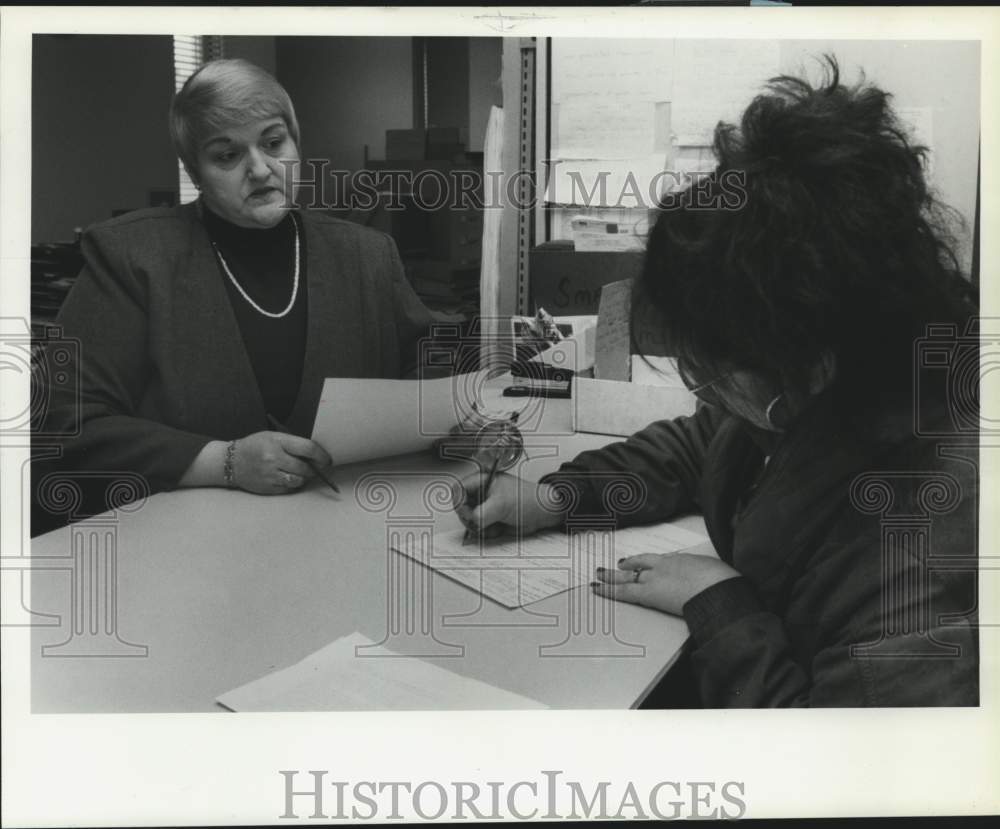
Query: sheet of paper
{"type": "Point", "coordinates": [603, 126]}
{"type": "Point", "coordinates": [341, 678]}
{"type": "Point", "coordinates": [608, 407]}
{"type": "Point", "coordinates": [689, 161]}
{"type": "Point", "coordinates": [562, 219]}
{"type": "Point", "coordinates": [518, 572]}
{"type": "Point", "coordinates": [629, 111]}
{"type": "Point", "coordinates": [715, 80]}
{"type": "Point", "coordinates": [363, 419]}
{"type": "Point", "coordinates": [590, 242]}
{"type": "Point", "coordinates": [613, 343]}
{"type": "Point", "coordinates": [633, 67]}
{"type": "Point", "coordinates": [617, 183]}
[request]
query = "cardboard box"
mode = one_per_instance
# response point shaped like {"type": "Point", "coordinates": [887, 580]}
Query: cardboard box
{"type": "Point", "coordinates": [566, 281]}
{"type": "Point", "coordinates": [444, 142]}
{"type": "Point", "coordinates": [405, 145]}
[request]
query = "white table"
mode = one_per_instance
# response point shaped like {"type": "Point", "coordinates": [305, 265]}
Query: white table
{"type": "Point", "coordinates": [215, 588]}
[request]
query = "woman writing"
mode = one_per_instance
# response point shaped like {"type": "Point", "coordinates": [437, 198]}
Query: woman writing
{"type": "Point", "coordinates": [200, 325]}
{"type": "Point", "coordinates": [795, 316]}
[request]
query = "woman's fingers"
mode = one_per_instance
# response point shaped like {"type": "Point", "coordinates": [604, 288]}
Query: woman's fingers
{"type": "Point", "coordinates": [615, 576]}
{"type": "Point", "coordinates": [492, 531]}
{"type": "Point", "coordinates": [620, 585]}
{"type": "Point", "coordinates": [288, 482]}
{"type": "Point", "coordinates": [474, 515]}
{"type": "Point", "coordinates": [304, 448]}
{"type": "Point", "coordinates": [628, 591]}
{"type": "Point", "coordinates": [294, 466]}
{"type": "Point", "coordinates": [646, 561]}
{"type": "Point", "coordinates": [464, 494]}
{"type": "Point", "coordinates": [491, 511]}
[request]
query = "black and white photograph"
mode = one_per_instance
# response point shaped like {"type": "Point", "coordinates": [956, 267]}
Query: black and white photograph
{"type": "Point", "coordinates": [470, 414]}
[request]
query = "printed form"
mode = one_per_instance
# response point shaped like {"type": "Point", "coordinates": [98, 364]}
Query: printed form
{"type": "Point", "coordinates": [517, 572]}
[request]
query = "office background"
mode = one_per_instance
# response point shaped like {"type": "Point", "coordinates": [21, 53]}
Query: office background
{"type": "Point", "coordinates": [100, 143]}
{"type": "Point", "coordinates": [99, 109]}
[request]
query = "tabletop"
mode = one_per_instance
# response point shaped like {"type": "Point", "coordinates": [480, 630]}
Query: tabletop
{"type": "Point", "coordinates": [196, 592]}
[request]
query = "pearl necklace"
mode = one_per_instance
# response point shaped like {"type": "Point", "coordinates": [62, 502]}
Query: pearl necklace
{"type": "Point", "coordinates": [246, 296]}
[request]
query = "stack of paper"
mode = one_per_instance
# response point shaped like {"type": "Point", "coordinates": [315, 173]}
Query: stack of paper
{"type": "Point", "coordinates": [352, 674]}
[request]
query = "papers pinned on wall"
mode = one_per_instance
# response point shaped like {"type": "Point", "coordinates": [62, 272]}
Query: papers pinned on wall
{"type": "Point", "coordinates": [596, 126]}
{"type": "Point", "coordinates": [715, 80]}
{"type": "Point", "coordinates": [632, 118]}
{"type": "Point", "coordinates": [593, 234]}
{"type": "Point", "coordinates": [629, 183]}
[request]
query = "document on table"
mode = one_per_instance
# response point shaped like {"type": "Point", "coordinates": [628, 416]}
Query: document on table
{"type": "Point", "coordinates": [364, 419]}
{"type": "Point", "coordinates": [338, 677]}
{"type": "Point", "coordinates": [517, 572]}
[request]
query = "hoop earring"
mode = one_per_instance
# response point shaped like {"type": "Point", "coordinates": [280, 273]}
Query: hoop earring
{"type": "Point", "coordinates": [769, 410]}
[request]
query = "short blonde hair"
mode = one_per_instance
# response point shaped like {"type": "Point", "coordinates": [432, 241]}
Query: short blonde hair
{"type": "Point", "coordinates": [221, 94]}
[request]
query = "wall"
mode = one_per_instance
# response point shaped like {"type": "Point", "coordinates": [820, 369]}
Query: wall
{"type": "Point", "coordinates": [99, 128]}
{"type": "Point", "coordinates": [347, 92]}
{"type": "Point", "coordinates": [448, 82]}
{"type": "Point", "coordinates": [937, 74]}
{"type": "Point", "coordinates": [257, 50]}
{"type": "Point", "coordinates": [484, 86]}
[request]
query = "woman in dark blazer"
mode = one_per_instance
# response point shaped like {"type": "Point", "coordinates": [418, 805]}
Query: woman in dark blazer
{"type": "Point", "coordinates": [837, 479]}
{"type": "Point", "coordinates": [201, 325]}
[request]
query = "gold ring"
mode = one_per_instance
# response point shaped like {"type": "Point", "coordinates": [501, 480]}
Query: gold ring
{"type": "Point", "coordinates": [288, 478]}
{"type": "Point", "coordinates": [635, 576]}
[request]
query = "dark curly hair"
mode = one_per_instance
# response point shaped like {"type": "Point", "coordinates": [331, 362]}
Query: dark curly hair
{"type": "Point", "coordinates": [837, 245]}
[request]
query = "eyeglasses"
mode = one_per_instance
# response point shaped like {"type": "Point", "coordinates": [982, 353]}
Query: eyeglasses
{"type": "Point", "coordinates": [703, 391]}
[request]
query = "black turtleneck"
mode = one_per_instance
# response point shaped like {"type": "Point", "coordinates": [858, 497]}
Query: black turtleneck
{"type": "Point", "coordinates": [263, 262]}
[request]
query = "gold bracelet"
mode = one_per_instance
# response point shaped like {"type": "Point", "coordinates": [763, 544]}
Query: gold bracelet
{"type": "Point", "coordinates": [228, 474]}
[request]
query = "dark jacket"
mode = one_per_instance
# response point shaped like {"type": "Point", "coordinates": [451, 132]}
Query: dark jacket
{"type": "Point", "coordinates": [163, 368]}
{"type": "Point", "coordinates": [857, 555]}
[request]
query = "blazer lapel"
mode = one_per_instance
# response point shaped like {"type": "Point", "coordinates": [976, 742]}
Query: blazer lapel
{"type": "Point", "coordinates": [335, 338]}
{"type": "Point", "coordinates": [209, 336]}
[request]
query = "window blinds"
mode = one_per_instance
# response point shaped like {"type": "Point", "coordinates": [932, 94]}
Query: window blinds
{"type": "Point", "coordinates": [190, 52]}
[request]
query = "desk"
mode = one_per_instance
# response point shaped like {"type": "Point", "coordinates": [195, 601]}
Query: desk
{"type": "Point", "coordinates": [222, 587]}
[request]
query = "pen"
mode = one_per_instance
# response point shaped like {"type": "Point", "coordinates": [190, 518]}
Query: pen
{"type": "Point", "coordinates": [278, 427]}
{"type": "Point", "coordinates": [484, 493]}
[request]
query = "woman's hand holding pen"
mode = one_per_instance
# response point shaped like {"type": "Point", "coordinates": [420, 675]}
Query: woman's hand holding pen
{"type": "Point", "coordinates": [270, 463]}
{"type": "Point", "coordinates": [512, 506]}
{"type": "Point", "coordinates": [662, 582]}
